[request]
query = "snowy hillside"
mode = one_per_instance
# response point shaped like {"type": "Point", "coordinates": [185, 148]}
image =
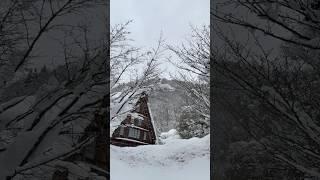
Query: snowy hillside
{"type": "Point", "coordinates": [165, 98]}
{"type": "Point", "coordinates": [187, 159]}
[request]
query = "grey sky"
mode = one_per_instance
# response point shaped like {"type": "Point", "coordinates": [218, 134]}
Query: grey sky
{"type": "Point", "coordinates": [150, 17]}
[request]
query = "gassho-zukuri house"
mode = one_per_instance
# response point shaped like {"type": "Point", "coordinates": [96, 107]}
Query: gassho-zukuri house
{"type": "Point", "coordinates": [134, 126]}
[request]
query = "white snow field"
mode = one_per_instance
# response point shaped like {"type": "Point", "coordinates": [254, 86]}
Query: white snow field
{"type": "Point", "coordinates": [174, 159]}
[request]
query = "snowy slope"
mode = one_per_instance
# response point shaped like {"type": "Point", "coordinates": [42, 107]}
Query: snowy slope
{"type": "Point", "coordinates": [177, 158]}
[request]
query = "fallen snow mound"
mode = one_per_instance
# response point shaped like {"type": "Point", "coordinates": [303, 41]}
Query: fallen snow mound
{"type": "Point", "coordinates": [175, 159]}
{"type": "Point", "coordinates": [167, 136]}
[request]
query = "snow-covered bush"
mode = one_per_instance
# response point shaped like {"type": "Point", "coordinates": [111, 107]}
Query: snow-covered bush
{"type": "Point", "coordinates": [170, 135]}
{"type": "Point", "coordinates": [192, 124]}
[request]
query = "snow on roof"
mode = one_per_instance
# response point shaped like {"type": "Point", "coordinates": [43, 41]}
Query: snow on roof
{"type": "Point", "coordinates": [120, 110]}
{"type": "Point", "coordinates": [124, 106]}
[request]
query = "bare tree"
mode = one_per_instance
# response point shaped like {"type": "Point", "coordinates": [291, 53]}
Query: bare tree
{"type": "Point", "coordinates": [277, 104]}
{"type": "Point", "coordinates": [194, 76]}
{"type": "Point", "coordinates": [125, 57]}
{"type": "Point", "coordinates": [59, 122]}
{"type": "Point", "coordinates": [24, 23]}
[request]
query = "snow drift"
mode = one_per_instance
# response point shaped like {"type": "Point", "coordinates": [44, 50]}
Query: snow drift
{"type": "Point", "coordinates": [175, 159]}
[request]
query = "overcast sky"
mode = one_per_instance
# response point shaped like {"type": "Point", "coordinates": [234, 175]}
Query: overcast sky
{"type": "Point", "coordinates": [150, 17]}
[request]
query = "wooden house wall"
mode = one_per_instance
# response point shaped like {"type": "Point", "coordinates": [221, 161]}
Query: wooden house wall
{"type": "Point", "coordinates": [145, 123]}
{"type": "Point", "coordinates": [141, 137]}
{"type": "Point", "coordinates": [142, 109]}
{"type": "Point", "coordinates": [123, 143]}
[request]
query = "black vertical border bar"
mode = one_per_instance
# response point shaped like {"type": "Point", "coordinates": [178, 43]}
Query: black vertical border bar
{"type": "Point", "coordinates": [108, 88]}
{"type": "Point", "coordinates": [212, 123]}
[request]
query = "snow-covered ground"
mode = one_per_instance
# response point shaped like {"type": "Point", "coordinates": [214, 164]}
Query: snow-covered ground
{"type": "Point", "coordinates": [176, 158]}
